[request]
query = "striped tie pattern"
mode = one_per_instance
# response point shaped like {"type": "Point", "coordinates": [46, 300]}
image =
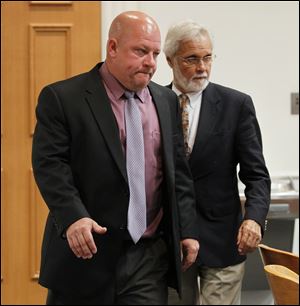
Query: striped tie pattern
{"type": "Point", "coordinates": [135, 163]}
{"type": "Point", "coordinates": [184, 102]}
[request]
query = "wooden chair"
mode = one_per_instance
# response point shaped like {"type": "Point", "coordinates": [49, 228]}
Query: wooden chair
{"type": "Point", "coordinates": [272, 256]}
{"type": "Point", "coordinates": [284, 284]}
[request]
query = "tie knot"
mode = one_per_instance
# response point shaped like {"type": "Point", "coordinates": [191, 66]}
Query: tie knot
{"type": "Point", "coordinates": [129, 94]}
{"type": "Point", "coordinates": [184, 100]}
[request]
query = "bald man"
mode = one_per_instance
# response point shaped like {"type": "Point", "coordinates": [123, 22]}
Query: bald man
{"type": "Point", "coordinates": [90, 255]}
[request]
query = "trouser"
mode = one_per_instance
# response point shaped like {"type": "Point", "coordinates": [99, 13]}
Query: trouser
{"type": "Point", "coordinates": [210, 286]}
{"type": "Point", "coordinates": [140, 277]}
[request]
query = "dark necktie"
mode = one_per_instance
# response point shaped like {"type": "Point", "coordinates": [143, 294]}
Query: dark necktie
{"type": "Point", "coordinates": [184, 103]}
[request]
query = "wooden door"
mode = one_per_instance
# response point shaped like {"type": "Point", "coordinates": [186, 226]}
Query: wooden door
{"type": "Point", "coordinates": [41, 42]}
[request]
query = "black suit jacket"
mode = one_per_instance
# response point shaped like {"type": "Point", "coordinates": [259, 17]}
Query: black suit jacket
{"type": "Point", "coordinates": [228, 135]}
{"type": "Point", "coordinates": [80, 170]}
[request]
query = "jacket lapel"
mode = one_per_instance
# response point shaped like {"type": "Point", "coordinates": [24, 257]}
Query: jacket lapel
{"type": "Point", "coordinates": [210, 109]}
{"type": "Point", "coordinates": [164, 120]}
{"type": "Point", "coordinates": [100, 105]}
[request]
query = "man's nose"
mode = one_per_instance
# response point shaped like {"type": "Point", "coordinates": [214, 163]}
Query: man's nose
{"type": "Point", "coordinates": [150, 60]}
{"type": "Point", "coordinates": [200, 66]}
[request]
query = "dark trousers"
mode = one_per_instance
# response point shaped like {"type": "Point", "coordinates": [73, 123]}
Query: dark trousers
{"type": "Point", "coordinates": [140, 277]}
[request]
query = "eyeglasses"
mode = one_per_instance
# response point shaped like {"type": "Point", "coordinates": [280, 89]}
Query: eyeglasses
{"type": "Point", "coordinates": [195, 61]}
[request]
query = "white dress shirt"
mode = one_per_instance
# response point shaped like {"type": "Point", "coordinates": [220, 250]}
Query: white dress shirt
{"type": "Point", "coordinates": [194, 112]}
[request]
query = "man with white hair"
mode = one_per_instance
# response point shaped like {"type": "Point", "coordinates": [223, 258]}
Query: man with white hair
{"type": "Point", "coordinates": [220, 132]}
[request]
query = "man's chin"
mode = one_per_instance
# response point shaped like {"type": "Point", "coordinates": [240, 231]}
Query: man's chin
{"type": "Point", "coordinates": [144, 77]}
{"type": "Point", "coordinates": [141, 83]}
{"type": "Point", "coordinates": [195, 87]}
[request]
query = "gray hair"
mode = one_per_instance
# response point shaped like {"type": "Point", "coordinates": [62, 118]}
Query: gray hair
{"type": "Point", "coordinates": [185, 30]}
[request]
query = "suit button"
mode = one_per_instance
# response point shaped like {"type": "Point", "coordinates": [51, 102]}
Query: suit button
{"type": "Point", "coordinates": [123, 227]}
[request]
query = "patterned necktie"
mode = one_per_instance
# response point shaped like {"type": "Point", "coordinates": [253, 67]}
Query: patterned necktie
{"type": "Point", "coordinates": [135, 163]}
{"type": "Point", "coordinates": [184, 103]}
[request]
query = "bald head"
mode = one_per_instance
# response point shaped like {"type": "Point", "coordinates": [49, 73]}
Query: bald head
{"type": "Point", "coordinates": [131, 22]}
{"type": "Point", "coordinates": [132, 49]}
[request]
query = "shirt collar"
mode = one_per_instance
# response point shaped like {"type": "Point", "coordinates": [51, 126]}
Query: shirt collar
{"type": "Point", "coordinates": [116, 88]}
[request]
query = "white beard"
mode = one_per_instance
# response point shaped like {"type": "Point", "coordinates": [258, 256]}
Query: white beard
{"type": "Point", "coordinates": [189, 85]}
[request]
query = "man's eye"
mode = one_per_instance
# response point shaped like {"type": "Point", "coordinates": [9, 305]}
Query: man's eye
{"type": "Point", "coordinates": [140, 52]}
{"type": "Point", "coordinates": [192, 60]}
{"type": "Point", "coordinates": [207, 58]}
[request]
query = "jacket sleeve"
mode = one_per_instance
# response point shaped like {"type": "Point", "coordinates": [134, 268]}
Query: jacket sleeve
{"type": "Point", "coordinates": [253, 171]}
{"type": "Point", "coordinates": [51, 161]}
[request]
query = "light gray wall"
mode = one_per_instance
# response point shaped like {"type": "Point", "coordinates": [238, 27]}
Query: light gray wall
{"type": "Point", "coordinates": [257, 48]}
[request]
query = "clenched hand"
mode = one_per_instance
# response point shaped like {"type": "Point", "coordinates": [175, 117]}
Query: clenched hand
{"type": "Point", "coordinates": [249, 236]}
{"type": "Point", "coordinates": [189, 252]}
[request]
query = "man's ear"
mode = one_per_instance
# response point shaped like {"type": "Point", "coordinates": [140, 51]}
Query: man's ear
{"type": "Point", "coordinates": [169, 62]}
{"type": "Point", "coordinates": [112, 47]}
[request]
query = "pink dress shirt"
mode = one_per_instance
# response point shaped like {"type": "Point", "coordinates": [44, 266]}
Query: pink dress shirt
{"type": "Point", "coordinates": [152, 143]}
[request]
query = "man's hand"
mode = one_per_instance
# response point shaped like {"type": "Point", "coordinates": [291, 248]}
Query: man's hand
{"type": "Point", "coordinates": [249, 236]}
{"type": "Point", "coordinates": [189, 252]}
{"type": "Point", "coordinates": [80, 238]}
